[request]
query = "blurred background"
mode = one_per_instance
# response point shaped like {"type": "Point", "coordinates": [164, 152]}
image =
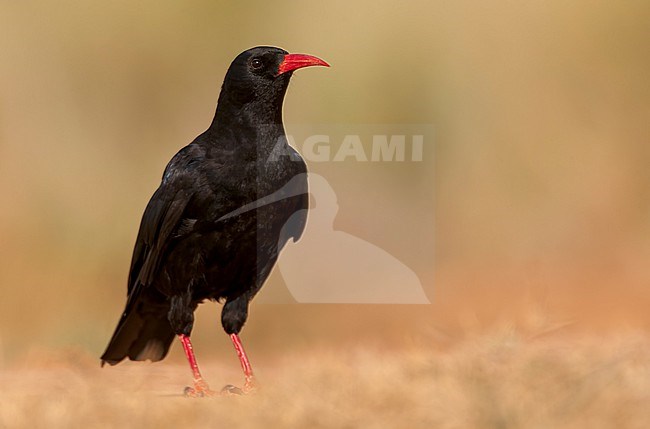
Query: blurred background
{"type": "Point", "coordinates": [533, 210]}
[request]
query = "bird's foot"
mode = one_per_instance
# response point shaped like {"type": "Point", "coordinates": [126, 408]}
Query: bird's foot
{"type": "Point", "coordinates": [200, 390]}
{"type": "Point", "coordinates": [250, 386]}
{"type": "Point", "coordinates": [230, 390]}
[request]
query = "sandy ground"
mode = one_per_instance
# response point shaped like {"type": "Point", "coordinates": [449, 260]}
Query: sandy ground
{"type": "Point", "coordinates": [497, 380]}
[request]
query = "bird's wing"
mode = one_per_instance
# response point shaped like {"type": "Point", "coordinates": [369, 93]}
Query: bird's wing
{"type": "Point", "coordinates": [141, 332]}
{"type": "Point", "coordinates": [163, 218]}
{"type": "Point", "coordinates": [162, 215]}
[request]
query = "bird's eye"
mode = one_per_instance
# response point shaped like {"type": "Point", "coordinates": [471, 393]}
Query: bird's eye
{"type": "Point", "coordinates": [256, 63]}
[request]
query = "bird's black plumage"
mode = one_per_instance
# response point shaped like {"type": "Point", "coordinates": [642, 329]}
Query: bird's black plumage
{"type": "Point", "coordinates": [194, 244]}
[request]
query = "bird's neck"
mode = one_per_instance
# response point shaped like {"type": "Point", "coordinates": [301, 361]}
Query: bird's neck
{"type": "Point", "coordinates": [256, 125]}
{"type": "Point", "coordinates": [232, 112]}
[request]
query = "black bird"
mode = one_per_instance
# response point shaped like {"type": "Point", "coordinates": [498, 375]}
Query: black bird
{"type": "Point", "coordinates": [227, 204]}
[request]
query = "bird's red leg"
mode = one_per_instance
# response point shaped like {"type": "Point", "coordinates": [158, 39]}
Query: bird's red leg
{"type": "Point", "coordinates": [250, 383]}
{"type": "Point", "coordinates": [200, 388]}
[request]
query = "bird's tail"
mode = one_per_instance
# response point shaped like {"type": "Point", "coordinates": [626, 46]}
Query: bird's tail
{"type": "Point", "coordinates": [142, 333]}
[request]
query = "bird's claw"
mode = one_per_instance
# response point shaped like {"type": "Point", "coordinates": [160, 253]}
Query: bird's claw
{"type": "Point", "coordinates": [250, 386]}
{"type": "Point", "coordinates": [200, 390]}
{"type": "Point", "coordinates": [229, 390]}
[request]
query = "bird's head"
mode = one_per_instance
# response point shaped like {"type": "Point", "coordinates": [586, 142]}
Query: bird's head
{"type": "Point", "coordinates": [261, 75]}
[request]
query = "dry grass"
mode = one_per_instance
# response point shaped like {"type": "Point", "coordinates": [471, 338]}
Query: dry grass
{"type": "Point", "coordinates": [499, 380]}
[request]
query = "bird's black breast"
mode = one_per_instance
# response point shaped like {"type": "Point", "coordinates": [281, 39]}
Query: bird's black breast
{"type": "Point", "coordinates": [229, 234]}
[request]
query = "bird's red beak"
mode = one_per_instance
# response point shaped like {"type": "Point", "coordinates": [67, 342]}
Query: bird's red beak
{"type": "Point", "coordinates": [293, 62]}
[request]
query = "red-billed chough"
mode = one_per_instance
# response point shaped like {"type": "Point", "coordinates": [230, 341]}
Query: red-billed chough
{"type": "Point", "coordinates": [202, 235]}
